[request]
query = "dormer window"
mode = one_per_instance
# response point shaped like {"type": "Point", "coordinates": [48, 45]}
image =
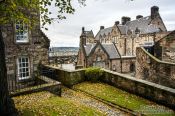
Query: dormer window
{"type": "Point", "coordinates": [137, 31]}
{"type": "Point", "coordinates": [21, 31]}
{"type": "Point", "coordinates": [115, 39]}
{"type": "Point", "coordinates": [129, 32]}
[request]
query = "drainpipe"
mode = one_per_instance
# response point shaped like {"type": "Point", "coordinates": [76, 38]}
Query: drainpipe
{"type": "Point", "coordinates": [132, 46]}
{"type": "Point", "coordinates": [121, 64]}
{"type": "Point", "coordinates": [125, 46]}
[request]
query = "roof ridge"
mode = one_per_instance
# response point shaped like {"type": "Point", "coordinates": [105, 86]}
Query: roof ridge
{"type": "Point", "coordinates": [137, 19]}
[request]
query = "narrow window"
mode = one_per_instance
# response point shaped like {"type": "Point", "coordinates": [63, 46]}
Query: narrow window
{"type": "Point", "coordinates": [98, 58]}
{"type": "Point", "coordinates": [23, 68]}
{"type": "Point", "coordinates": [21, 30]}
{"type": "Point", "coordinates": [113, 67]}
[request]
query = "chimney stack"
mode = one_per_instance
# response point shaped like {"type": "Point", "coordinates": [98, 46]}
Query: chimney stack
{"type": "Point", "coordinates": [154, 12]}
{"type": "Point", "coordinates": [117, 23]}
{"type": "Point", "coordinates": [83, 29]}
{"type": "Point", "coordinates": [125, 20]}
{"type": "Point", "coordinates": [139, 16]}
{"type": "Point", "coordinates": [102, 27]}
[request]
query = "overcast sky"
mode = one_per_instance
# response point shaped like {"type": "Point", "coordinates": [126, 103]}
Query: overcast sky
{"type": "Point", "coordinates": [105, 12]}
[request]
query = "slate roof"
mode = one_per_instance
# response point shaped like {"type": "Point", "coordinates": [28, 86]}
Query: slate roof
{"type": "Point", "coordinates": [103, 32]}
{"type": "Point", "coordinates": [143, 24]}
{"type": "Point", "coordinates": [122, 29]}
{"type": "Point", "coordinates": [111, 50]}
{"type": "Point", "coordinates": [88, 48]}
{"type": "Point", "coordinates": [89, 33]}
{"type": "Point", "coordinates": [108, 47]}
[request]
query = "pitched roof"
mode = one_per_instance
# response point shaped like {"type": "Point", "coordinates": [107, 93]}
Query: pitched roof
{"type": "Point", "coordinates": [143, 24]}
{"type": "Point", "coordinates": [110, 49]}
{"type": "Point", "coordinates": [88, 48]}
{"type": "Point", "coordinates": [103, 32]}
{"type": "Point", "coordinates": [122, 29]}
{"type": "Point", "coordinates": [89, 33]}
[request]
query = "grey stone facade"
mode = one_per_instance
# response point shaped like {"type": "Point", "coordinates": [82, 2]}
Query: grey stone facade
{"type": "Point", "coordinates": [127, 36]}
{"type": "Point", "coordinates": [154, 70]}
{"type": "Point", "coordinates": [165, 48]}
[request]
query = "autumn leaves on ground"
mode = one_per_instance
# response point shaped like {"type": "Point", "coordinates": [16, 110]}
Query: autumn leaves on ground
{"type": "Point", "coordinates": [77, 103]}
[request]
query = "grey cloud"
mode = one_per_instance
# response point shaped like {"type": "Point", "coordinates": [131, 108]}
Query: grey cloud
{"type": "Point", "coordinates": [105, 12]}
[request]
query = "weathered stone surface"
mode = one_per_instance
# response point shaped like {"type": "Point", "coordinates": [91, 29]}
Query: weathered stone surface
{"type": "Point", "coordinates": [68, 78]}
{"type": "Point", "coordinates": [37, 53]}
{"type": "Point", "coordinates": [161, 94]}
{"type": "Point", "coordinates": [152, 69]}
{"type": "Point", "coordinates": [149, 90]}
{"type": "Point", "coordinates": [165, 48]}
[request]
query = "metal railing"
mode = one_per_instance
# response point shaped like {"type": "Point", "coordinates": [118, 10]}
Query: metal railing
{"type": "Point", "coordinates": [16, 84]}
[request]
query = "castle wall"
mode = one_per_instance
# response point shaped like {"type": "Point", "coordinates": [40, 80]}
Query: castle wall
{"type": "Point", "coordinates": [152, 69]}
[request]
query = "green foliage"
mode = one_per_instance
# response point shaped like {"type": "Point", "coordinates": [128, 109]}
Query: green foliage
{"type": "Point", "coordinates": [93, 74]}
{"type": "Point", "coordinates": [28, 10]}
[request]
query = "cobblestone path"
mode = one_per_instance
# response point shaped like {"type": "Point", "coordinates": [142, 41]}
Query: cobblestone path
{"type": "Point", "coordinates": [81, 98]}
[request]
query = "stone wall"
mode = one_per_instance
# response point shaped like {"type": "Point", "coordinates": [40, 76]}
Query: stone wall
{"type": "Point", "coordinates": [92, 59]}
{"type": "Point", "coordinates": [152, 69]}
{"type": "Point", "coordinates": [128, 64]}
{"type": "Point", "coordinates": [160, 94]}
{"type": "Point", "coordinates": [115, 65]}
{"type": "Point", "coordinates": [149, 90]}
{"type": "Point", "coordinates": [36, 49]}
{"type": "Point", "coordinates": [67, 78]}
{"type": "Point", "coordinates": [165, 48]}
{"type": "Point", "coordinates": [47, 85]}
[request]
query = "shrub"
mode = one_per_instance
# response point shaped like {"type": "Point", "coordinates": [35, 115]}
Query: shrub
{"type": "Point", "coordinates": [93, 74]}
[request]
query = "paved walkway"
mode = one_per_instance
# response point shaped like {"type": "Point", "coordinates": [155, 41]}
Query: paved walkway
{"type": "Point", "coordinates": [91, 102]}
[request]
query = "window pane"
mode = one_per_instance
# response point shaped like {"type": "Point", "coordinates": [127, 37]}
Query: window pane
{"type": "Point", "coordinates": [23, 60]}
{"type": "Point", "coordinates": [21, 31]}
{"type": "Point", "coordinates": [27, 74]}
{"type": "Point", "coordinates": [23, 67]}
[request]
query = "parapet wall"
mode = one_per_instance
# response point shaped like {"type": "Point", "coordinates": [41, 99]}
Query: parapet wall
{"type": "Point", "coordinates": [160, 94]}
{"type": "Point", "coordinates": [154, 70]}
{"type": "Point", "coordinates": [66, 77]}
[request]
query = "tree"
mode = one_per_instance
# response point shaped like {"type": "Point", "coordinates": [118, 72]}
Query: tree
{"type": "Point", "coordinates": [11, 10]}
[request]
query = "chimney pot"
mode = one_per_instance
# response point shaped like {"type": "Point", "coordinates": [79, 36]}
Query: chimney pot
{"type": "Point", "coordinates": [117, 22]}
{"type": "Point", "coordinates": [139, 16]}
{"type": "Point", "coordinates": [102, 27]}
{"type": "Point", "coordinates": [83, 29]}
{"type": "Point", "coordinates": [125, 20]}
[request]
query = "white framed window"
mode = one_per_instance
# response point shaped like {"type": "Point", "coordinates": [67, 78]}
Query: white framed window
{"type": "Point", "coordinates": [114, 67]}
{"type": "Point", "coordinates": [23, 68]}
{"type": "Point", "coordinates": [99, 58]}
{"type": "Point", "coordinates": [21, 30]}
{"type": "Point", "coordinates": [115, 39]}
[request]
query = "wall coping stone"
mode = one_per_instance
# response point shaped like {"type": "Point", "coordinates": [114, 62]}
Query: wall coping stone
{"type": "Point", "coordinates": [70, 71]}
{"type": "Point", "coordinates": [156, 59]}
{"type": "Point", "coordinates": [128, 57]}
{"type": "Point", "coordinates": [142, 81]}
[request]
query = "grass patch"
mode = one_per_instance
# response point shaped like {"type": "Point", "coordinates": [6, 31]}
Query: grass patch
{"type": "Point", "coordinates": [124, 99]}
{"type": "Point", "coordinates": [47, 104]}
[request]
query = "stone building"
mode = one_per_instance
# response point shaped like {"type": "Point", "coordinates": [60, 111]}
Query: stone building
{"type": "Point", "coordinates": [165, 48]}
{"type": "Point", "coordinates": [25, 48]}
{"type": "Point", "coordinates": [152, 69]}
{"type": "Point", "coordinates": [127, 36]}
